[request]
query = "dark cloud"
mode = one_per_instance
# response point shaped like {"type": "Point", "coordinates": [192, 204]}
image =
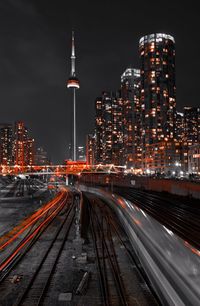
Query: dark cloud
{"type": "Point", "coordinates": [35, 58]}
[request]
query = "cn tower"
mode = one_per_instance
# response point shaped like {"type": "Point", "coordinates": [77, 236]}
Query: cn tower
{"type": "Point", "coordinates": [73, 84]}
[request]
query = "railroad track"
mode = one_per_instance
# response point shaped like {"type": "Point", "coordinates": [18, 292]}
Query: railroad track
{"type": "Point", "coordinates": [12, 190]}
{"type": "Point", "coordinates": [36, 286]}
{"type": "Point", "coordinates": [180, 217]}
{"type": "Point", "coordinates": [18, 188]}
{"type": "Point", "coordinates": [112, 281]}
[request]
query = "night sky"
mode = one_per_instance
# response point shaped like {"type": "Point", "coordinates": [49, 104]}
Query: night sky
{"type": "Point", "coordinates": [35, 58]}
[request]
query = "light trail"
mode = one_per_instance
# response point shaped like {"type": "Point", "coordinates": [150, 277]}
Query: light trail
{"type": "Point", "coordinates": [32, 219]}
{"type": "Point", "coordinates": [35, 232]}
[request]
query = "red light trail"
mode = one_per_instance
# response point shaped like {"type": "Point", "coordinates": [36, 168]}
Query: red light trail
{"type": "Point", "coordinates": [57, 204]}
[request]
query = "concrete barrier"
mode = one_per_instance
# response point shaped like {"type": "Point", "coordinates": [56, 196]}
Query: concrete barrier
{"type": "Point", "coordinates": [177, 187]}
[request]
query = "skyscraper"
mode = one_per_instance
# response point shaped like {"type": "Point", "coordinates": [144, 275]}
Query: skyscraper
{"type": "Point", "coordinates": [158, 92]}
{"type": "Point", "coordinates": [191, 125]}
{"type": "Point", "coordinates": [191, 134]}
{"type": "Point", "coordinates": [117, 129]}
{"type": "Point", "coordinates": [107, 143]}
{"type": "Point", "coordinates": [179, 126]}
{"type": "Point", "coordinates": [132, 117]}
{"type": "Point", "coordinates": [109, 128]}
{"type": "Point", "coordinates": [6, 144]}
{"type": "Point", "coordinates": [98, 154]}
{"type": "Point", "coordinates": [158, 88]}
{"type": "Point", "coordinates": [73, 83]}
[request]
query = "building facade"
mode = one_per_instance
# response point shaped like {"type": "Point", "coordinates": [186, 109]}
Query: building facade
{"type": "Point", "coordinates": [194, 159]}
{"type": "Point", "coordinates": [164, 157]}
{"type": "Point", "coordinates": [179, 126]}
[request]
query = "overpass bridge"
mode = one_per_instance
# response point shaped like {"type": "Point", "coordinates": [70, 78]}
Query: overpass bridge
{"type": "Point", "coordinates": [60, 170]}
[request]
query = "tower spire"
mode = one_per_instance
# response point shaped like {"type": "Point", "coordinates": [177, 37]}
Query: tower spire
{"type": "Point", "coordinates": [73, 83]}
{"type": "Point", "coordinates": [73, 57]}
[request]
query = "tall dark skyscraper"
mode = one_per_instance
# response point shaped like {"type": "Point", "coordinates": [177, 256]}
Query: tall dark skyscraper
{"type": "Point", "coordinates": [158, 88]}
{"type": "Point", "coordinates": [6, 144]}
{"type": "Point", "coordinates": [191, 125]}
{"type": "Point", "coordinates": [98, 155]}
{"type": "Point", "coordinates": [179, 126]}
{"type": "Point", "coordinates": [191, 134]}
{"type": "Point", "coordinates": [132, 117]}
{"type": "Point", "coordinates": [117, 129]}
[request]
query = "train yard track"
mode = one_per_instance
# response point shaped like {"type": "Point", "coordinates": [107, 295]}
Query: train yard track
{"type": "Point", "coordinates": [22, 187]}
{"type": "Point", "coordinates": [34, 287]}
{"type": "Point", "coordinates": [114, 280]}
{"type": "Point", "coordinates": [13, 189]}
{"type": "Point", "coordinates": [179, 215]}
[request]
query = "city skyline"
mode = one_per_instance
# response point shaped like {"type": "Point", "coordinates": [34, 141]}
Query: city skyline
{"type": "Point", "coordinates": [38, 64]}
{"type": "Point", "coordinates": [99, 153]}
{"type": "Point", "coordinates": [18, 148]}
{"type": "Point", "coordinates": [138, 126]}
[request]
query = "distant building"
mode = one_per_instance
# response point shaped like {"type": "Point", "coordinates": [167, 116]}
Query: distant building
{"type": "Point", "coordinates": [194, 159]}
{"type": "Point", "coordinates": [90, 149]}
{"type": "Point", "coordinates": [6, 144]}
{"type": "Point", "coordinates": [41, 157]}
{"type": "Point", "coordinates": [30, 152]}
{"type": "Point", "coordinates": [69, 152]}
{"type": "Point", "coordinates": [16, 147]}
{"type": "Point", "coordinates": [19, 147]}
{"type": "Point", "coordinates": [132, 117]}
{"type": "Point", "coordinates": [81, 153]}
